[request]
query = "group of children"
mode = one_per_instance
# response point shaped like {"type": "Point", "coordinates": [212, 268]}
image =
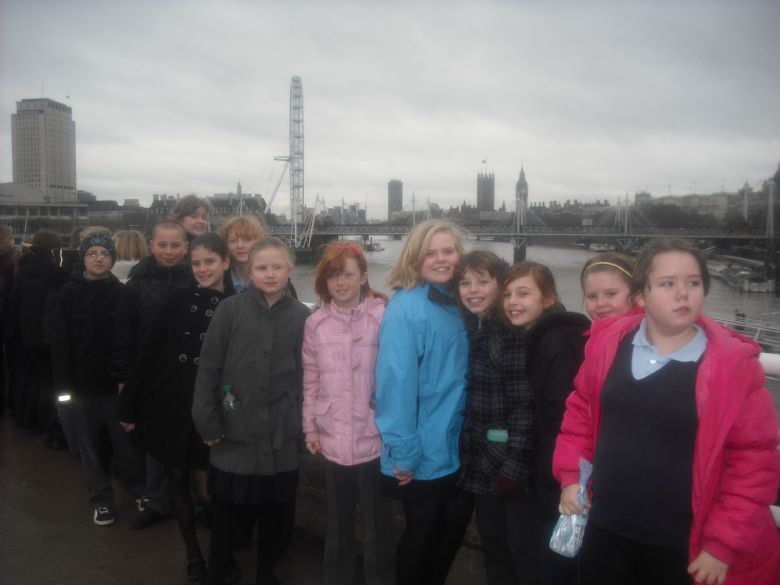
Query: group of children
{"type": "Point", "coordinates": [471, 390]}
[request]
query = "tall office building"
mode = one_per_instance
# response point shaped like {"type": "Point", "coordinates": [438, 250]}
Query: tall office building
{"type": "Point", "coordinates": [43, 141]}
{"type": "Point", "coordinates": [486, 192]}
{"type": "Point", "coordinates": [395, 197]}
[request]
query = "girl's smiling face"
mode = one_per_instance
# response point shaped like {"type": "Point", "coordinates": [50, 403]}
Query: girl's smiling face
{"type": "Point", "coordinates": [208, 267]}
{"type": "Point", "coordinates": [344, 287]}
{"type": "Point", "coordinates": [523, 302]}
{"type": "Point", "coordinates": [196, 224]}
{"type": "Point", "coordinates": [478, 292]}
{"type": "Point", "coordinates": [606, 294]}
{"type": "Point", "coordinates": [442, 255]}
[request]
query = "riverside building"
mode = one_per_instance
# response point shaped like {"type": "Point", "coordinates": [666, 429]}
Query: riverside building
{"type": "Point", "coordinates": [43, 141]}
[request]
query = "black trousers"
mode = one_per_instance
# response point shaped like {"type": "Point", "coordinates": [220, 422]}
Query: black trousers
{"type": "Point", "coordinates": [510, 534]}
{"type": "Point", "coordinates": [437, 515]}
{"type": "Point", "coordinates": [610, 559]}
{"type": "Point", "coordinates": [93, 417]}
{"type": "Point", "coordinates": [275, 521]}
{"type": "Point", "coordinates": [347, 486]}
{"type": "Point", "coordinates": [555, 569]}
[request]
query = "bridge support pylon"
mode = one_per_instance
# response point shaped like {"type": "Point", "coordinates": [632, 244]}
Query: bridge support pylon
{"type": "Point", "coordinates": [519, 249]}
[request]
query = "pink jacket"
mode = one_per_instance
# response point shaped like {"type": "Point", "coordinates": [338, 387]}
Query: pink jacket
{"type": "Point", "coordinates": [339, 354]}
{"type": "Point", "coordinates": [736, 467]}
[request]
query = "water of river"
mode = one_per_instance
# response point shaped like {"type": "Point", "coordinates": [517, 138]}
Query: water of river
{"type": "Point", "coordinates": [566, 264]}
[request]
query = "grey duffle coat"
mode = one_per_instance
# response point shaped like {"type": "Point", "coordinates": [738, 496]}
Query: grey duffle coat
{"type": "Point", "coordinates": [256, 350]}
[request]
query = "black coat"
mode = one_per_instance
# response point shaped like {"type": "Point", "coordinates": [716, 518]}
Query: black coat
{"type": "Point", "coordinates": [38, 279]}
{"type": "Point", "coordinates": [82, 334]}
{"type": "Point", "coordinates": [159, 389]}
{"type": "Point", "coordinates": [556, 345]}
{"type": "Point", "coordinates": [7, 267]}
{"type": "Point", "coordinates": [144, 292]}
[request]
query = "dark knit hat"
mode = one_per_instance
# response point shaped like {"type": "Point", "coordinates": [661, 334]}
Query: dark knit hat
{"type": "Point", "coordinates": [98, 239]}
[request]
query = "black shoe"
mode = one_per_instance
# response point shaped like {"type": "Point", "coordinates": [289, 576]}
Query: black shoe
{"type": "Point", "coordinates": [103, 516]}
{"type": "Point", "coordinates": [146, 518]}
{"type": "Point", "coordinates": [196, 572]}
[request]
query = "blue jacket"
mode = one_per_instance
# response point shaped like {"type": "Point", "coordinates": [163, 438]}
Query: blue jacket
{"type": "Point", "coordinates": [421, 383]}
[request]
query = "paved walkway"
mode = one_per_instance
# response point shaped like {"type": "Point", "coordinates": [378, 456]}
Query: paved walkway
{"type": "Point", "coordinates": [47, 535]}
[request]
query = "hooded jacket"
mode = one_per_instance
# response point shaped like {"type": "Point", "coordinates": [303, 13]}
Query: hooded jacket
{"type": "Point", "coordinates": [736, 467]}
{"type": "Point", "coordinates": [421, 383]}
{"type": "Point", "coordinates": [556, 346]}
{"type": "Point", "coordinates": [82, 334]}
{"type": "Point", "coordinates": [339, 356]}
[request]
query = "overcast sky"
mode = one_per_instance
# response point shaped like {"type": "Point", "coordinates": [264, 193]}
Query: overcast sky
{"type": "Point", "coordinates": [594, 99]}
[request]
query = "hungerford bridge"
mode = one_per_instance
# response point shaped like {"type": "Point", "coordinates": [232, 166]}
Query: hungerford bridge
{"type": "Point", "coordinates": [622, 237]}
{"type": "Point", "coordinates": [510, 231]}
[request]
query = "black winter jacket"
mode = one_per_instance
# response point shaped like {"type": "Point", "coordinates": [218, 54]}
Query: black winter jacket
{"type": "Point", "coordinates": [144, 292]}
{"type": "Point", "coordinates": [158, 394]}
{"type": "Point", "coordinates": [556, 345]}
{"type": "Point", "coordinates": [38, 277]}
{"type": "Point", "coordinates": [82, 335]}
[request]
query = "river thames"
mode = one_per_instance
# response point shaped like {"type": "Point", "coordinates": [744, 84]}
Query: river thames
{"type": "Point", "coordinates": [566, 264]}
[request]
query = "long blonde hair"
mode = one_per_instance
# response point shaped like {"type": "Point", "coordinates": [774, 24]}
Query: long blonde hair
{"type": "Point", "coordinates": [130, 245]}
{"type": "Point", "coordinates": [406, 270]}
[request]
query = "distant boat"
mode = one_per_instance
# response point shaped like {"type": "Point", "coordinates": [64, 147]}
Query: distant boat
{"type": "Point", "coordinates": [747, 280]}
{"type": "Point", "coordinates": [601, 247]}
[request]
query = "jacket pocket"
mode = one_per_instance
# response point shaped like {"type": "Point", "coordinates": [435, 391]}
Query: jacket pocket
{"type": "Point", "coordinates": [235, 426]}
{"type": "Point", "coordinates": [323, 417]}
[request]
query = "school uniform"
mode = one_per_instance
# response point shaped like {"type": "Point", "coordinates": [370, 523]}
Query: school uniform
{"type": "Point", "coordinates": [725, 431]}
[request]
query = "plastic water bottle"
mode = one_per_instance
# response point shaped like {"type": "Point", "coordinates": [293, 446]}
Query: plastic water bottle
{"type": "Point", "coordinates": [229, 402]}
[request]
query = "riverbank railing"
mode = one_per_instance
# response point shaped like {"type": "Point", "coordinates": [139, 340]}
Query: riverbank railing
{"type": "Point", "coordinates": [766, 334]}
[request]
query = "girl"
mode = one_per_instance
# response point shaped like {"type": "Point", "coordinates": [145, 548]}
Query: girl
{"type": "Point", "coordinates": [163, 377]}
{"type": "Point", "coordinates": [240, 233]}
{"type": "Point", "coordinates": [671, 409]}
{"type": "Point", "coordinates": [131, 248]}
{"type": "Point", "coordinates": [498, 433]}
{"type": "Point", "coordinates": [340, 344]}
{"type": "Point", "coordinates": [421, 395]}
{"type": "Point", "coordinates": [192, 212]}
{"type": "Point", "coordinates": [247, 408]}
{"type": "Point", "coordinates": [555, 344]}
{"type": "Point", "coordinates": [606, 285]}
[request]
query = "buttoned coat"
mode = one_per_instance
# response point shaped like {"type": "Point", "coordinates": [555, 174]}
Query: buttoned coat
{"type": "Point", "coordinates": [256, 350]}
{"type": "Point", "coordinates": [339, 356]}
{"type": "Point", "coordinates": [160, 386]}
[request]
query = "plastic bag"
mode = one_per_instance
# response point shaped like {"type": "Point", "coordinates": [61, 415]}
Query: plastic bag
{"type": "Point", "coordinates": [567, 537]}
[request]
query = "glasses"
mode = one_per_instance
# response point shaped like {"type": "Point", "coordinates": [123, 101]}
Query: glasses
{"type": "Point", "coordinates": [98, 255]}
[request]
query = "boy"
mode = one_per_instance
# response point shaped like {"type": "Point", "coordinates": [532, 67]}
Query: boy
{"type": "Point", "coordinates": [82, 334]}
{"type": "Point", "coordinates": [150, 281]}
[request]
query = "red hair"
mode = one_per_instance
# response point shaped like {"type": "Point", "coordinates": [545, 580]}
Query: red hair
{"type": "Point", "coordinates": [334, 261]}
